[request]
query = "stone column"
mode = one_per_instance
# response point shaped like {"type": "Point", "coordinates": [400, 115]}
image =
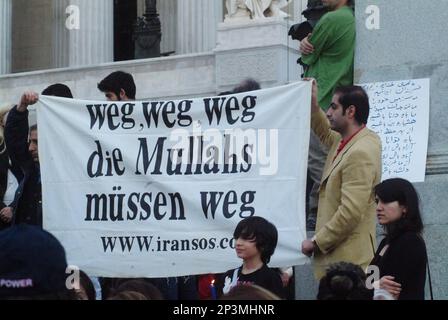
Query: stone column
{"type": "Point", "coordinates": [5, 36]}
{"type": "Point", "coordinates": [167, 10]}
{"type": "Point", "coordinates": [197, 25]}
{"type": "Point", "coordinates": [298, 7]}
{"type": "Point", "coordinates": [93, 42]}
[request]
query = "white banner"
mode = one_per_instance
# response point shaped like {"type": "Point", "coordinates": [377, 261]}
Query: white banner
{"type": "Point", "coordinates": [399, 114]}
{"type": "Point", "coordinates": [156, 188]}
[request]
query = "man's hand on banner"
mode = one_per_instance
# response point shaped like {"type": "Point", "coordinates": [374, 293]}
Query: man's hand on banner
{"type": "Point", "coordinates": [28, 98]}
{"type": "Point", "coordinates": [314, 104]}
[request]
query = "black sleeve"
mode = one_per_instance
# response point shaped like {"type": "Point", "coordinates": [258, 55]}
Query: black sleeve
{"type": "Point", "coordinates": [16, 138]}
{"type": "Point", "coordinates": [4, 165]}
{"type": "Point", "coordinates": [406, 261]}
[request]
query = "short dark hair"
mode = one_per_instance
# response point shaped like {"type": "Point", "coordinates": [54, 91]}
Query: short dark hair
{"type": "Point", "coordinates": [354, 96]}
{"type": "Point", "coordinates": [344, 281]}
{"type": "Point", "coordinates": [403, 191]}
{"type": "Point", "coordinates": [246, 85]}
{"type": "Point", "coordinates": [58, 90]}
{"type": "Point", "coordinates": [116, 81]}
{"type": "Point", "coordinates": [33, 127]}
{"type": "Point", "coordinates": [262, 232]}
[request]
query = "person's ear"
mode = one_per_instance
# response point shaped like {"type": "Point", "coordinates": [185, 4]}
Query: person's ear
{"type": "Point", "coordinates": [351, 110]}
{"type": "Point", "coordinates": [404, 210]}
{"type": "Point", "coordinates": [122, 94]}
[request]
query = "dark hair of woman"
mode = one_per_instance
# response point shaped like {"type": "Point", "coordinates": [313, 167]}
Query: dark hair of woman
{"type": "Point", "coordinates": [403, 191]}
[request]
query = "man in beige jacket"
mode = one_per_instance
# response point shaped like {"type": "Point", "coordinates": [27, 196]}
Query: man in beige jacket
{"type": "Point", "coordinates": [345, 229]}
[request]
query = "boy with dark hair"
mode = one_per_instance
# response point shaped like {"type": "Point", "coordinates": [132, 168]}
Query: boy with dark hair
{"type": "Point", "coordinates": [256, 240]}
{"type": "Point", "coordinates": [118, 86]}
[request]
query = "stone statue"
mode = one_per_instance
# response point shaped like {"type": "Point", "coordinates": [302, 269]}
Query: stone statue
{"type": "Point", "coordinates": [254, 9]}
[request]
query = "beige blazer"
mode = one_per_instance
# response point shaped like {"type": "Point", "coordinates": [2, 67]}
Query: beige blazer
{"type": "Point", "coordinates": [346, 220]}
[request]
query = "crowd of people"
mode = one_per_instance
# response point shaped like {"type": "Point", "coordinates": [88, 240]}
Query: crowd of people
{"type": "Point", "coordinates": [33, 264]}
{"type": "Point", "coordinates": [345, 195]}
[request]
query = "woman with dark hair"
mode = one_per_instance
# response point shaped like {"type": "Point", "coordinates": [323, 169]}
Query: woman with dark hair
{"type": "Point", "coordinates": [401, 257]}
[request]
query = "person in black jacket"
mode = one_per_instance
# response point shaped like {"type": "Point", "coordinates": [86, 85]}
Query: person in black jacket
{"type": "Point", "coordinates": [23, 151]}
{"type": "Point", "coordinates": [10, 176]}
{"type": "Point", "coordinates": [401, 257]}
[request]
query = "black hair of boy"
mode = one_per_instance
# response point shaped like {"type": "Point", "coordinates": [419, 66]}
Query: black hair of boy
{"type": "Point", "coordinates": [262, 232]}
{"type": "Point", "coordinates": [116, 81]}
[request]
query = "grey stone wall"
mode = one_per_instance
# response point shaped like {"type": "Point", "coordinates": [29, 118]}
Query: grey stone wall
{"type": "Point", "coordinates": [411, 44]}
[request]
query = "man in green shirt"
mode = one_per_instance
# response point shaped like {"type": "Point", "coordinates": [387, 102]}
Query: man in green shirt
{"type": "Point", "coordinates": [328, 54]}
{"type": "Point", "coordinates": [329, 51]}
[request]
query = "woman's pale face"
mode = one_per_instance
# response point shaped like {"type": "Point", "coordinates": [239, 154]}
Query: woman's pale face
{"type": "Point", "coordinates": [389, 212]}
